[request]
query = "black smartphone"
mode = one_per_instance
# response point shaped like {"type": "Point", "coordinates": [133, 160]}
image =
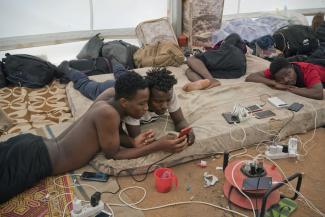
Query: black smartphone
{"type": "Point", "coordinates": [230, 118]}
{"type": "Point", "coordinates": [264, 114]}
{"type": "Point", "coordinates": [257, 183]}
{"type": "Point", "coordinates": [295, 107]}
{"type": "Point", "coordinates": [254, 108]}
{"type": "Point", "coordinates": [97, 176]}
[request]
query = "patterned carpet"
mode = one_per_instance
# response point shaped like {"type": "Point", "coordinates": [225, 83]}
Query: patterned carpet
{"type": "Point", "coordinates": [44, 199]}
{"type": "Point", "coordinates": [35, 108]}
{"type": "Point", "coordinates": [32, 109]}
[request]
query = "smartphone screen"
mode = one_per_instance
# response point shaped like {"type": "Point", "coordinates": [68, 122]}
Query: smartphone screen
{"type": "Point", "coordinates": [98, 176]}
{"type": "Point", "coordinates": [264, 114]}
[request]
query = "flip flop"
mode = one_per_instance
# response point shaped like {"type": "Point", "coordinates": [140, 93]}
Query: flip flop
{"type": "Point", "coordinates": [284, 208]}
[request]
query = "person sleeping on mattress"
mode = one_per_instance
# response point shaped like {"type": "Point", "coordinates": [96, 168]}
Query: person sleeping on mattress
{"type": "Point", "coordinates": [162, 95]}
{"type": "Point", "coordinates": [301, 78]}
{"type": "Point", "coordinates": [26, 159]}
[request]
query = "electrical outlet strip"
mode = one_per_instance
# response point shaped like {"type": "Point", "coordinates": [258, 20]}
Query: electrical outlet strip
{"type": "Point", "coordinates": [275, 152]}
{"type": "Point", "coordinates": [277, 102]}
{"type": "Point", "coordinates": [279, 155]}
{"type": "Point", "coordinates": [88, 210]}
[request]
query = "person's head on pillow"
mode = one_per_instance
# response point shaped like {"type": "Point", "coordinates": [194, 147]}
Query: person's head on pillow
{"type": "Point", "coordinates": [161, 82]}
{"type": "Point", "coordinates": [283, 72]}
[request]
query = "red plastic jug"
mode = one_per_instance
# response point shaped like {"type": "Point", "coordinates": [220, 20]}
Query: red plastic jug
{"type": "Point", "coordinates": [164, 178]}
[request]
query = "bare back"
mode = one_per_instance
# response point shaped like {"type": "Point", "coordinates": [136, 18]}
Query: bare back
{"type": "Point", "coordinates": [96, 130]}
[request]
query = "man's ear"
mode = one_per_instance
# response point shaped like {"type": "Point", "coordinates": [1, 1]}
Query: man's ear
{"type": "Point", "coordinates": [123, 102]}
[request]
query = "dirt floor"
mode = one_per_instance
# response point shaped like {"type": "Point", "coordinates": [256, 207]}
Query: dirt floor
{"type": "Point", "coordinates": [190, 185]}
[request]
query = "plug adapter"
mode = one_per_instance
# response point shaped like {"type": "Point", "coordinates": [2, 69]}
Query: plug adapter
{"type": "Point", "coordinates": [95, 198]}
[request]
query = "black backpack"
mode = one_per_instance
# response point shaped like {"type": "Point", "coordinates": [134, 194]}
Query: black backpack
{"type": "Point", "coordinates": [28, 71]}
{"type": "Point", "coordinates": [295, 39]}
{"type": "Point", "coordinates": [120, 51]}
{"type": "Point", "coordinates": [3, 81]}
{"type": "Point", "coordinates": [92, 48]}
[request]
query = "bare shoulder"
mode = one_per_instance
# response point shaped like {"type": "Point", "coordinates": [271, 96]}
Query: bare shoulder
{"type": "Point", "coordinates": [107, 94]}
{"type": "Point", "coordinates": [103, 110]}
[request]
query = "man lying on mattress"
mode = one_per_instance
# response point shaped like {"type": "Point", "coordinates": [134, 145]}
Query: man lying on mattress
{"type": "Point", "coordinates": [301, 78]}
{"type": "Point", "coordinates": [26, 159]}
{"type": "Point", "coordinates": [162, 95]}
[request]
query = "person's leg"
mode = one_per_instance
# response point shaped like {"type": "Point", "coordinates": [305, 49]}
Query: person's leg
{"type": "Point", "coordinates": [192, 76]}
{"type": "Point", "coordinates": [118, 68]}
{"type": "Point", "coordinates": [201, 70]}
{"type": "Point", "coordinates": [89, 88]}
{"type": "Point", "coordinates": [24, 161]}
{"type": "Point", "coordinates": [197, 85]}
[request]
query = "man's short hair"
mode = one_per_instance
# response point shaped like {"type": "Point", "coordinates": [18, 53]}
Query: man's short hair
{"type": "Point", "coordinates": [278, 64]}
{"type": "Point", "coordinates": [127, 85]}
{"type": "Point", "coordinates": [160, 79]}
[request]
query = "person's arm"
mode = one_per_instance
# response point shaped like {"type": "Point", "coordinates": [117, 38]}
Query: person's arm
{"type": "Point", "coordinates": [259, 77]}
{"type": "Point", "coordinates": [315, 92]}
{"type": "Point", "coordinates": [178, 119]}
{"type": "Point", "coordinates": [107, 131]}
{"type": "Point", "coordinates": [163, 144]}
{"type": "Point", "coordinates": [181, 123]}
{"type": "Point", "coordinates": [142, 139]}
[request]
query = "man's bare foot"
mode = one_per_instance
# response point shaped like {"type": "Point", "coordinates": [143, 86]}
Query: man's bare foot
{"type": "Point", "coordinates": [197, 85]}
{"type": "Point", "coordinates": [213, 83]}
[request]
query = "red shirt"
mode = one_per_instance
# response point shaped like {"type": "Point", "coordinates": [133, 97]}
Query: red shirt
{"type": "Point", "coordinates": [313, 74]}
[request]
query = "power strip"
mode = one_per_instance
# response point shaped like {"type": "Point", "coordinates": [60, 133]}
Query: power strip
{"type": "Point", "coordinates": [276, 152]}
{"type": "Point", "coordinates": [87, 210]}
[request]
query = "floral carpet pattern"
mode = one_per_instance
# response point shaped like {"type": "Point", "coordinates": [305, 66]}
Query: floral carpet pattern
{"type": "Point", "coordinates": [35, 108]}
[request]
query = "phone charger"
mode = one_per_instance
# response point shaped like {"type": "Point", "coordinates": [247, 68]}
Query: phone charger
{"type": "Point", "coordinates": [277, 102]}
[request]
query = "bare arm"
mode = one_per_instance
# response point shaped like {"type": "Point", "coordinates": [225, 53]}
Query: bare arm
{"type": "Point", "coordinates": [178, 119]}
{"type": "Point", "coordinates": [181, 123]}
{"type": "Point", "coordinates": [259, 77]}
{"type": "Point", "coordinates": [108, 131]}
{"type": "Point", "coordinates": [164, 144]}
{"type": "Point", "coordinates": [315, 92]}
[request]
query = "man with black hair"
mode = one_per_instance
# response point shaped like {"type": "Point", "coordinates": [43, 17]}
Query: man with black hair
{"type": "Point", "coordinates": [301, 78]}
{"type": "Point", "coordinates": [26, 159]}
{"type": "Point", "coordinates": [162, 95]}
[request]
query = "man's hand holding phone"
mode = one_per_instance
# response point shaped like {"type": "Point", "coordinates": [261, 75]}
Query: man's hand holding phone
{"type": "Point", "coordinates": [172, 143]}
{"type": "Point", "coordinates": [189, 134]}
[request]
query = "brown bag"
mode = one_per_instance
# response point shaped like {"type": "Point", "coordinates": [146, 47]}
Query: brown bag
{"type": "Point", "coordinates": [160, 54]}
{"type": "Point", "coordinates": [152, 31]}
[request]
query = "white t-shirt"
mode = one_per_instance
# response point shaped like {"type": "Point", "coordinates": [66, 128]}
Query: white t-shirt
{"type": "Point", "coordinates": [148, 117]}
